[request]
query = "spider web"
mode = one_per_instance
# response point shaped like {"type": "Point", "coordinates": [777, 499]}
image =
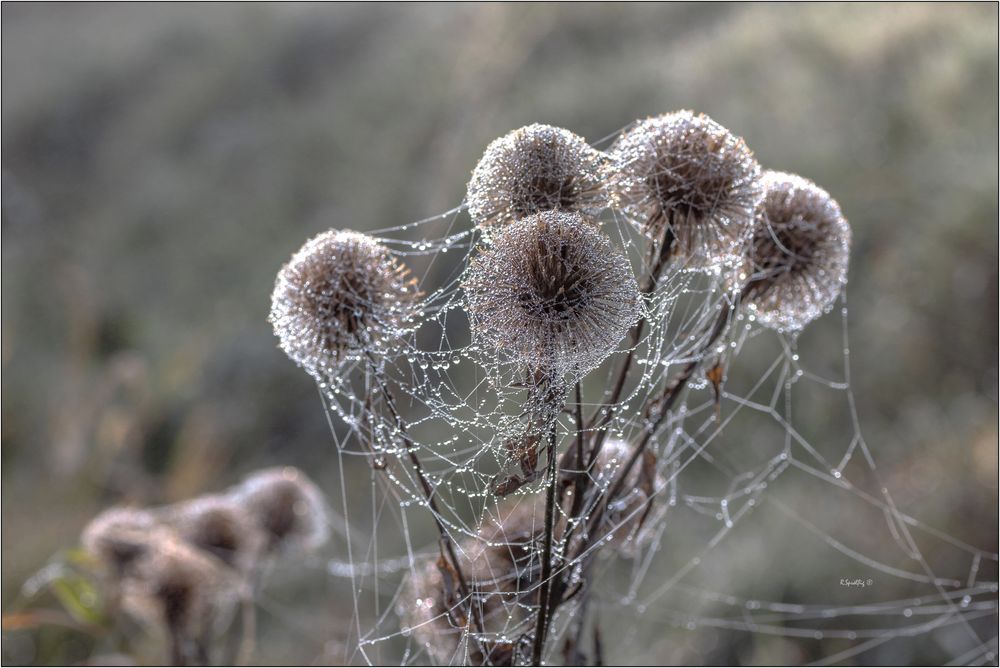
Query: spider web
{"type": "Point", "coordinates": [733, 465]}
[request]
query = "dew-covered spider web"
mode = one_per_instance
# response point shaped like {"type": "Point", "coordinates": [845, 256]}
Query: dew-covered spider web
{"type": "Point", "coordinates": [759, 530]}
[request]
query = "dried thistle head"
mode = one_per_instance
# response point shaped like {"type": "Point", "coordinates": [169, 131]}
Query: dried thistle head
{"type": "Point", "coordinates": [181, 590]}
{"type": "Point", "coordinates": [286, 507]}
{"type": "Point", "coordinates": [502, 568]}
{"type": "Point", "coordinates": [433, 611]}
{"type": "Point", "coordinates": [535, 168]}
{"type": "Point", "coordinates": [119, 537]}
{"type": "Point", "coordinates": [219, 526]}
{"type": "Point", "coordinates": [512, 540]}
{"type": "Point", "coordinates": [341, 295]}
{"type": "Point", "coordinates": [552, 292]}
{"type": "Point", "coordinates": [799, 253]}
{"type": "Point", "coordinates": [687, 177]}
{"type": "Point", "coordinates": [625, 514]}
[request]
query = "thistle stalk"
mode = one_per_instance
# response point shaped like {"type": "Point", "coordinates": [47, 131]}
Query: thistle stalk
{"type": "Point", "coordinates": [546, 584]}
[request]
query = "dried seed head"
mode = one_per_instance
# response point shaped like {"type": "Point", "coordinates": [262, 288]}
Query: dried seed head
{"type": "Point", "coordinates": [219, 526]}
{"type": "Point", "coordinates": [287, 507]}
{"type": "Point", "coordinates": [181, 589]}
{"type": "Point", "coordinates": [552, 292]}
{"type": "Point", "coordinates": [513, 538]}
{"type": "Point", "coordinates": [501, 566]}
{"type": "Point", "coordinates": [342, 294]}
{"type": "Point", "coordinates": [799, 255]}
{"type": "Point", "coordinates": [433, 611]}
{"type": "Point", "coordinates": [535, 168]}
{"type": "Point", "coordinates": [685, 175]}
{"type": "Point", "coordinates": [624, 517]}
{"type": "Point", "coordinates": [119, 537]}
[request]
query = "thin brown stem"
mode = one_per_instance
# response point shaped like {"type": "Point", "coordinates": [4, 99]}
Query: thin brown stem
{"type": "Point", "coordinates": [248, 630]}
{"type": "Point", "coordinates": [178, 656]}
{"type": "Point", "coordinates": [546, 583]}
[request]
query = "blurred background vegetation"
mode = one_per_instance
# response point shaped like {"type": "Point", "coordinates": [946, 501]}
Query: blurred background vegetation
{"type": "Point", "coordinates": [161, 161]}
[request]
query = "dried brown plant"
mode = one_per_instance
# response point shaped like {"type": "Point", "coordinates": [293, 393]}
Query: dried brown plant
{"type": "Point", "coordinates": [532, 169]}
{"type": "Point", "coordinates": [340, 296]}
{"type": "Point", "coordinates": [799, 254]}
{"type": "Point", "coordinates": [552, 292]}
{"type": "Point", "coordinates": [688, 183]}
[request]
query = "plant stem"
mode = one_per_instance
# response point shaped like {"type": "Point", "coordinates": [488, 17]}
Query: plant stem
{"type": "Point", "coordinates": [543, 594]}
{"type": "Point", "coordinates": [178, 657]}
{"type": "Point", "coordinates": [248, 631]}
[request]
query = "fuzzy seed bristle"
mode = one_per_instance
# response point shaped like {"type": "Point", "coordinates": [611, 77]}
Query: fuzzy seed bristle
{"type": "Point", "coordinates": [182, 590]}
{"type": "Point", "coordinates": [501, 565]}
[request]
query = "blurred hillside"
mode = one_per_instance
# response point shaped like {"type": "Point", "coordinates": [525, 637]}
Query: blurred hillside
{"type": "Point", "coordinates": [161, 161]}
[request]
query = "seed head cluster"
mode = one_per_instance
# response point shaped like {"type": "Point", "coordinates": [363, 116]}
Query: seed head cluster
{"type": "Point", "coordinates": [549, 292]}
{"type": "Point", "coordinates": [181, 566]}
{"type": "Point", "coordinates": [799, 254]}
{"type": "Point", "coordinates": [552, 292]}
{"type": "Point", "coordinates": [532, 169]}
{"type": "Point", "coordinates": [685, 178]}
{"type": "Point", "coordinates": [341, 295]}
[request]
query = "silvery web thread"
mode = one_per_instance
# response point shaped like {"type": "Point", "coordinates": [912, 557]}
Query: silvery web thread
{"type": "Point", "coordinates": [971, 599]}
{"type": "Point", "coordinates": [676, 447]}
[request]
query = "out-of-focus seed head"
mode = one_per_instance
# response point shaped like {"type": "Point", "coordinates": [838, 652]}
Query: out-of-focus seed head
{"type": "Point", "coordinates": [686, 175]}
{"type": "Point", "coordinates": [434, 613]}
{"type": "Point", "coordinates": [340, 296]}
{"type": "Point", "coordinates": [424, 613]}
{"type": "Point", "coordinates": [502, 566]}
{"type": "Point", "coordinates": [799, 253]}
{"type": "Point", "coordinates": [624, 517]}
{"type": "Point", "coordinates": [119, 537]}
{"type": "Point", "coordinates": [552, 293]}
{"type": "Point", "coordinates": [513, 537]}
{"type": "Point", "coordinates": [286, 507]}
{"type": "Point", "coordinates": [219, 526]}
{"type": "Point", "coordinates": [535, 168]}
{"type": "Point", "coordinates": [181, 589]}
